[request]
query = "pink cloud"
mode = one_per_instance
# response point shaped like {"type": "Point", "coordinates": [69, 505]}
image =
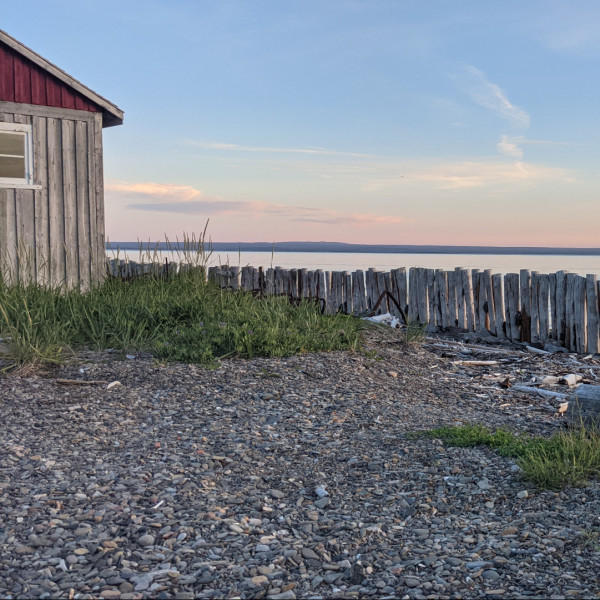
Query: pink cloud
{"type": "Point", "coordinates": [184, 199]}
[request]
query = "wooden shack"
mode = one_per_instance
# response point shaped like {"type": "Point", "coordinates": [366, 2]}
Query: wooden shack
{"type": "Point", "coordinates": [51, 179]}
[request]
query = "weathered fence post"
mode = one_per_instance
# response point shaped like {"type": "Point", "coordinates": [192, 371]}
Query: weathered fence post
{"type": "Point", "coordinates": [451, 301]}
{"type": "Point", "coordinates": [400, 289]}
{"type": "Point", "coordinates": [561, 307]}
{"type": "Point", "coordinates": [489, 313]}
{"type": "Point", "coordinates": [467, 292]}
{"type": "Point", "coordinates": [534, 312]}
{"type": "Point", "coordinates": [422, 296]}
{"type": "Point", "coordinates": [511, 306]}
{"type": "Point", "coordinates": [543, 307]}
{"type": "Point", "coordinates": [525, 285]}
{"type": "Point", "coordinates": [359, 299]}
{"type": "Point", "coordinates": [347, 292]}
{"type": "Point", "coordinates": [413, 293]}
{"type": "Point", "coordinates": [498, 305]}
{"type": "Point", "coordinates": [592, 313]}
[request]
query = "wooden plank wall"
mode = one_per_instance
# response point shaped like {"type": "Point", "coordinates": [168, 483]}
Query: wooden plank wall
{"type": "Point", "coordinates": [560, 308]}
{"type": "Point", "coordinates": [54, 234]}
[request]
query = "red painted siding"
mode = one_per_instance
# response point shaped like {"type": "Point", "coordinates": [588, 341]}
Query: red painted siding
{"type": "Point", "coordinates": [23, 81]}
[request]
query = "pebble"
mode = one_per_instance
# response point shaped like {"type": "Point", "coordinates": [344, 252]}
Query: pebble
{"type": "Point", "coordinates": [146, 540]}
{"type": "Point", "coordinates": [310, 554]}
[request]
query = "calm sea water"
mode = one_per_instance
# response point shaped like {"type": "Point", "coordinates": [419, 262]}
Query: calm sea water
{"type": "Point", "coordinates": [348, 261]}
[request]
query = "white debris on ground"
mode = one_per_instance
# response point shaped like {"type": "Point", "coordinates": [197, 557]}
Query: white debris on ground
{"type": "Point", "coordinates": [385, 319]}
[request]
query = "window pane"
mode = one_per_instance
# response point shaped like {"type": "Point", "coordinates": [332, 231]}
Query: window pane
{"type": "Point", "coordinates": [12, 143]}
{"type": "Point", "coordinates": [12, 167]}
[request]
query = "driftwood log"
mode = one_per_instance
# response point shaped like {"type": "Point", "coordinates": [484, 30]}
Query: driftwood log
{"type": "Point", "coordinates": [584, 407]}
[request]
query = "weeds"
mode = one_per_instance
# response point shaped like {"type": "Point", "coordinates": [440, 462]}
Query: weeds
{"type": "Point", "coordinates": [414, 333]}
{"type": "Point", "coordinates": [591, 539]}
{"type": "Point", "coordinates": [568, 458]}
{"type": "Point", "coordinates": [183, 319]}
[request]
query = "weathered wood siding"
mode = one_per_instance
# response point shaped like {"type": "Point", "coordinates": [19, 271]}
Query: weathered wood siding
{"type": "Point", "coordinates": [54, 235]}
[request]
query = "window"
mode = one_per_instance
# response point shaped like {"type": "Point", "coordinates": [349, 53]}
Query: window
{"type": "Point", "coordinates": [16, 156]}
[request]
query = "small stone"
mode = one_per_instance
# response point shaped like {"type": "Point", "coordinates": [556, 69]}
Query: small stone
{"type": "Point", "coordinates": [490, 574]}
{"type": "Point", "coordinates": [523, 494]}
{"type": "Point", "coordinates": [80, 551]}
{"type": "Point", "coordinates": [484, 484]}
{"type": "Point", "coordinates": [476, 564]}
{"type": "Point", "coordinates": [310, 554]}
{"type": "Point", "coordinates": [143, 583]}
{"type": "Point", "coordinates": [110, 594]}
{"type": "Point", "coordinates": [146, 540]}
{"type": "Point", "coordinates": [321, 492]}
{"type": "Point", "coordinates": [411, 582]}
{"type": "Point", "coordinates": [393, 374]}
{"type": "Point", "coordinates": [322, 502]}
{"type": "Point", "coordinates": [260, 580]}
{"type": "Point", "coordinates": [262, 548]}
{"type": "Point", "coordinates": [278, 494]}
{"type": "Point", "coordinates": [509, 531]}
{"type": "Point", "coordinates": [126, 587]}
{"type": "Point", "coordinates": [24, 550]}
{"type": "Point", "coordinates": [287, 595]}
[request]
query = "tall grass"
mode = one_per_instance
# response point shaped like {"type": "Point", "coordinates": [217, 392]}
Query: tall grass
{"type": "Point", "coordinates": [568, 458]}
{"type": "Point", "coordinates": [183, 318]}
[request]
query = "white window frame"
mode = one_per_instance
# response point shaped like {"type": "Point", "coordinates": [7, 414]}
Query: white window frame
{"type": "Point", "coordinates": [27, 181]}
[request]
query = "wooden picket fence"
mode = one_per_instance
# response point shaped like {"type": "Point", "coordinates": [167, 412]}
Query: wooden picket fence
{"type": "Point", "coordinates": [559, 308]}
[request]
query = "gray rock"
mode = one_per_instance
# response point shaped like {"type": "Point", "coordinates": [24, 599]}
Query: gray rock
{"type": "Point", "coordinates": [146, 540]}
{"type": "Point", "coordinates": [143, 583]}
{"type": "Point", "coordinates": [310, 554]}
{"type": "Point", "coordinates": [476, 564]}
{"type": "Point", "coordinates": [287, 595]}
{"type": "Point", "coordinates": [490, 574]}
{"type": "Point", "coordinates": [322, 502]}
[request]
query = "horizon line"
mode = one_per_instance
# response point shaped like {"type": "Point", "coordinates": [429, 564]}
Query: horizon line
{"type": "Point", "coordinates": [323, 246]}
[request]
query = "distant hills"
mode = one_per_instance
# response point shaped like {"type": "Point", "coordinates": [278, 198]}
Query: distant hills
{"type": "Point", "coordinates": [357, 248]}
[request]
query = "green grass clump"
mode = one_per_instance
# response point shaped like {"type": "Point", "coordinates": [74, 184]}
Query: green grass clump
{"type": "Point", "coordinates": [414, 333]}
{"type": "Point", "coordinates": [183, 319]}
{"type": "Point", "coordinates": [568, 458]}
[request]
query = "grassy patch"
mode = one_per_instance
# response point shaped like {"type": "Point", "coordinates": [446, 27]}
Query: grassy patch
{"type": "Point", "coordinates": [181, 319]}
{"type": "Point", "coordinates": [414, 333]}
{"type": "Point", "coordinates": [569, 458]}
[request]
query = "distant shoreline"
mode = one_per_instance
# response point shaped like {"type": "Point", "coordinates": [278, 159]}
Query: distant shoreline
{"type": "Point", "coordinates": [353, 248]}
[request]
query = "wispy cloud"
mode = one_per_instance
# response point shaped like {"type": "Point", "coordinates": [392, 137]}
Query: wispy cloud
{"type": "Point", "coordinates": [275, 150]}
{"type": "Point", "coordinates": [472, 174]}
{"type": "Point", "coordinates": [183, 199]}
{"type": "Point", "coordinates": [510, 147]}
{"type": "Point", "coordinates": [491, 96]}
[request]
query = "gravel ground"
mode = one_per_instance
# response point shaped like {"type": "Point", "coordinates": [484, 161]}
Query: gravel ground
{"type": "Point", "coordinates": [284, 478]}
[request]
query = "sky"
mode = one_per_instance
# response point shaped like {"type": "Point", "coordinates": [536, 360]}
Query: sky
{"type": "Point", "coordinates": [362, 121]}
